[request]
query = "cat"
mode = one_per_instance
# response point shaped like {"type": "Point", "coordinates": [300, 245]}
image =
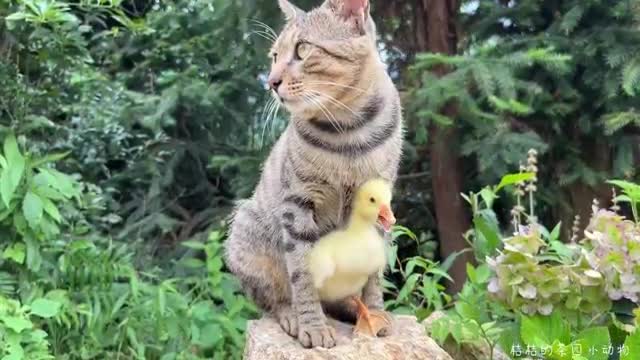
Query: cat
{"type": "Point", "coordinates": [345, 128]}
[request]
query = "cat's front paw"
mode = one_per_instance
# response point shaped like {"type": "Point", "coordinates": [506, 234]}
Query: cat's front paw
{"type": "Point", "coordinates": [288, 320]}
{"type": "Point", "coordinates": [317, 335]}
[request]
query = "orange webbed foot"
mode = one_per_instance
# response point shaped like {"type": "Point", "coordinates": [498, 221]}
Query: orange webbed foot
{"type": "Point", "coordinates": [371, 322]}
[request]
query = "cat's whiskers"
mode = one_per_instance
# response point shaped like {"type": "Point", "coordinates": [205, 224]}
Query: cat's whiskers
{"type": "Point", "coordinates": [275, 113]}
{"type": "Point", "coordinates": [268, 28]}
{"type": "Point", "coordinates": [263, 34]}
{"type": "Point", "coordinates": [334, 122]}
{"type": "Point", "coordinates": [333, 101]}
{"type": "Point", "coordinates": [264, 31]}
{"type": "Point", "coordinates": [271, 104]}
{"type": "Point", "coordinates": [332, 119]}
{"type": "Point", "coordinates": [267, 104]}
{"type": "Point", "coordinates": [264, 118]}
{"type": "Point", "coordinates": [336, 84]}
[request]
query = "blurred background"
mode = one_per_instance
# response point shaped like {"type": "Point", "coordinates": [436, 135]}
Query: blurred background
{"type": "Point", "coordinates": [131, 127]}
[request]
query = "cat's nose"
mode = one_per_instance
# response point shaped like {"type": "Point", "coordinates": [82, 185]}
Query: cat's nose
{"type": "Point", "coordinates": [275, 83]}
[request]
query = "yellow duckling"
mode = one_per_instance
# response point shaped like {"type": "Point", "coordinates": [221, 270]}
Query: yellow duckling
{"type": "Point", "coordinates": [342, 261]}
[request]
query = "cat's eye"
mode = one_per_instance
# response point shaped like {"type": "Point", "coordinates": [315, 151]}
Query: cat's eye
{"type": "Point", "coordinates": [302, 50]}
{"type": "Point", "coordinates": [373, 200]}
{"type": "Point", "coordinates": [274, 57]}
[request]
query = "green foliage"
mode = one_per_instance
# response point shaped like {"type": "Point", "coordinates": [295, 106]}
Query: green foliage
{"type": "Point", "coordinates": [532, 295]}
{"type": "Point", "coordinates": [421, 292]}
{"type": "Point", "coordinates": [617, 121]}
{"type": "Point", "coordinates": [485, 237]}
{"type": "Point", "coordinates": [138, 96]}
{"type": "Point", "coordinates": [487, 93]}
{"type": "Point", "coordinates": [631, 77]}
{"type": "Point", "coordinates": [632, 346]}
{"type": "Point", "coordinates": [630, 195]}
{"type": "Point", "coordinates": [69, 293]}
{"type": "Point", "coordinates": [561, 77]}
{"type": "Point", "coordinates": [20, 338]}
{"type": "Point", "coordinates": [132, 97]}
{"type": "Point", "coordinates": [220, 315]}
{"type": "Point", "coordinates": [533, 278]}
{"type": "Point", "coordinates": [475, 319]}
{"type": "Point", "coordinates": [32, 193]}
{"type": "Point", "coordinates": [552, 337]}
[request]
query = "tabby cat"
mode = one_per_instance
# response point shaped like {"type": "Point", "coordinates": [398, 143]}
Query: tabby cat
{"type": "Point", "coordinates": [345, 128]}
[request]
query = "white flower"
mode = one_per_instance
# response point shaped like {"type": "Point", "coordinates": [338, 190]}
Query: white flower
{"type": "Point", "coordinates": [528, 291]}
{"type": "Point", "coordinates": [615, 294]}
{"type": "Point", "coordinates": [593, 274]}
{"type": "Point", "coordinates": [528, 309]}
{"type": "Point", "coordinates": [627, 279]}
{"type": "Point", "coordinates": [546, 309]}
{"type": "Point", "coordinates": [491, 262]}
{"type": "Point", "coordinates": [494, 285]}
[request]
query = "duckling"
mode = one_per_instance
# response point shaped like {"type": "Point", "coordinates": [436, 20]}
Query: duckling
{"type": "Point", "coordinates": [342, 261]}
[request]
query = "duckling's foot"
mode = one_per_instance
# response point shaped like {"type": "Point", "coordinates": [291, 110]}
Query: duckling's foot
{"type": "Point", "coordinates": [371, 322]}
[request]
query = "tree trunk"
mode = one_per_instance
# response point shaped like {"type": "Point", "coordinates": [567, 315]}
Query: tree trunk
{"type": "Point", "coordinates": [439, 35]}
{"type": "Point", "coordinates": [4, 43]}
{"type": "Point", "coordinates": [581, 195]}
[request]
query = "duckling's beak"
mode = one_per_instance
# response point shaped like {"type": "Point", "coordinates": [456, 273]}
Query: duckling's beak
{"type": "Point", "coordinates": [386, 217]}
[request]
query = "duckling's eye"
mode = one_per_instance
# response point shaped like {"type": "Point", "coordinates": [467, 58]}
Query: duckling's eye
{"type": "Point", "coordinates": [373, 200]}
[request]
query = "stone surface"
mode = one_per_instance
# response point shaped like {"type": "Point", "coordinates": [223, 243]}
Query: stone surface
{"type": "Point", "coordinates": [267, 341]}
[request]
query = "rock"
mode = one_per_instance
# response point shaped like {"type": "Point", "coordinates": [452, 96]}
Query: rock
{"type": "Point", "coordinates": [465, 351]}
{"type": "Point", "coordinates": [436, 315]}
{"type": "Point", "coordinates": [267, 341]}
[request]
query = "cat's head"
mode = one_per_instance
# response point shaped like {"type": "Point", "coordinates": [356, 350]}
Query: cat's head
{"type": "Point", "coordinates": [319, 57]}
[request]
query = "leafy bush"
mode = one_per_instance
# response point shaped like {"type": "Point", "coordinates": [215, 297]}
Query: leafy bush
{"type": "Point", "coordinates": [70, 293]}
{"type": "Point", "coordinates": [18, 334]}
{"type": "Point", "coordinates": [421, 291]}
{"type": "Point", "coordinates": [613, 246]}
{"type": "Point", "coordinates": [533, 278]}
{"type": "Point", "coordinates": [533, 295]}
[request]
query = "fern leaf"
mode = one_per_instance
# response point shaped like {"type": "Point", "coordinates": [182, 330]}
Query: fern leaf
{"type": "Point", "coordinates": [571, 19]}
{"type": "Point", "coordinates": [619, 56]}
{"type": "Point", "coordinates": [631, 77]}
{"type": "Point", "coordinates": [616, 121]}
{"type": "Point", "coordinates": [504, 77]}
{"type": "Point", "coordinates": [556, 63]}
{"type": "Point", "coordinates": [483, 79]}
{"type": "Point", "coordinates": [510, 106]}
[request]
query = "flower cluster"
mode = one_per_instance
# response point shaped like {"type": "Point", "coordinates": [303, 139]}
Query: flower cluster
{"type": "Point", "coordinates": [527, 277]}
{"type": "Point", "coordinates": [537, 276]}
{"type": "Point", "coordinates": [526, 188]}
{"type": "Point", "coordinates": [612, 248]}
{"type": "Point", "coordinates": [531, 188]}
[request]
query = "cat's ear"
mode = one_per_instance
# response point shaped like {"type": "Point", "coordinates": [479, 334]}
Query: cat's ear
{"type": "Point", "coordinates": [290, 11]}
{"type": "Point", "coordinates": [354, 11]}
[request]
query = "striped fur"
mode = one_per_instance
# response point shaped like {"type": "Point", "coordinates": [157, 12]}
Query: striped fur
{"type": "Point", "coordinates": [307, 181]}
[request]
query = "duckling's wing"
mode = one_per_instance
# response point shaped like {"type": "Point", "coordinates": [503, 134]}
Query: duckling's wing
{"type": "Point", "coordinates": [322, 266]}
